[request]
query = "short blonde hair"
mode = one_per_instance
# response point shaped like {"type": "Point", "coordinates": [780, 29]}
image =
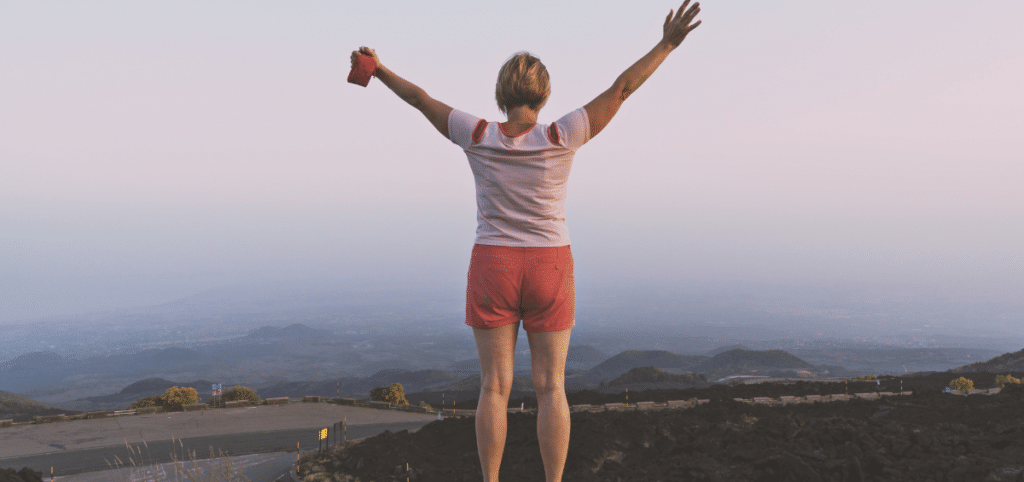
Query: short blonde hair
{"type": "Point", "coordinates": [523, 80]}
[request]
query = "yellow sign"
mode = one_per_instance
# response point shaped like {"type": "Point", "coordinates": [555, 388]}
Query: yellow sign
{"type": "Point", "coordinates": [323, 434]}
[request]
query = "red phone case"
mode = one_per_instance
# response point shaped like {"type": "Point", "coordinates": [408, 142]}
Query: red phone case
{"type": "Point", "coordinates": [362, 70]}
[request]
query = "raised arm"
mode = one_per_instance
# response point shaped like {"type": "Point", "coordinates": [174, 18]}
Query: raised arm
{"type": "Point", "coordinates": [604, 106]}
{"type": "Point", "coordinates": [435, 111]}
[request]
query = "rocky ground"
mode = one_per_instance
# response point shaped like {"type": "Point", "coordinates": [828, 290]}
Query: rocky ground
{"type": "Point", "coordinates": [927, 436]}
{"type": "Point", "coordinates": [24, 475]}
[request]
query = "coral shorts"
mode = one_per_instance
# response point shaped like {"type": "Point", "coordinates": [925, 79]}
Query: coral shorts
{"type": "Point", "coordinates": [508, 284]}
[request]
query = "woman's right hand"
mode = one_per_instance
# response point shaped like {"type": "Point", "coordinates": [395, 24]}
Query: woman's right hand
{"type": "Point", "coordinates": [364, 51]}
{"type": "Point", "coordinates": [677, 27]}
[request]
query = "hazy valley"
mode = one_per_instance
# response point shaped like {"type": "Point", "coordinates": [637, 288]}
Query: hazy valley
{"type": "Point", "coordinates": [290, 344]}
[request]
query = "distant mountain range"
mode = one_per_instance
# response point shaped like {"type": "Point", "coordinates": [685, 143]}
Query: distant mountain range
{"type": "Point", "coordinates": [628, 369]}
{"type": "Point", "coordinates": [632, 369]}
{"type": "Point", "coordinates": [297, 360]}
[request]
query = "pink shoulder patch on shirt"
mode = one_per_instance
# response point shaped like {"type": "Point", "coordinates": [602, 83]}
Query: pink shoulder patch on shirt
{"type": "Point", "coordinates": [478, 132]}
{"type": "Point", "coordinates": [553, 133]}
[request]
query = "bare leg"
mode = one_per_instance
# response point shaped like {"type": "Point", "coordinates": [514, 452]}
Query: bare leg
{"type": "Point", "coordinates": [548, 351]}
{"type": "Point", "coordinates": [496, 348]}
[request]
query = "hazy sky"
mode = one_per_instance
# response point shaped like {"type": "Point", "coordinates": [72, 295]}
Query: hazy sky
{"type": "Point", "coordinates": [151, 150]}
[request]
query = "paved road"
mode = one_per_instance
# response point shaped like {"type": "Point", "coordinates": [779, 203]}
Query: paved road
{"type": "Point", "coordinates": [164, 451]}
{"type": "Point", "coordinates": [89, 445]}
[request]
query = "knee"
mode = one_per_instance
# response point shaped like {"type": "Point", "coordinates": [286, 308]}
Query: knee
{"type": "Point", "coordinates": [545, 383]}
{"type": "Point", "coordinates": [495, 385]}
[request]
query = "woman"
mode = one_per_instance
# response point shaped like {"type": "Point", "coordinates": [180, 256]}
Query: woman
{"type": "Point", "coordinates": [521, 267]}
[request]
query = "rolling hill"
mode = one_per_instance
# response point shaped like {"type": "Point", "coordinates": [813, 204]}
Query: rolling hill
{"type": "Point", "coordinates": [644, 378]}
{"type": "Point", "coordinates": [760, 360]}
{"type": "Point", "coordinates": [1005, 363]}
{"type": "Point", "coordinates": [21, 409]}
{"type": "Point", "coordinates": [629, 359]}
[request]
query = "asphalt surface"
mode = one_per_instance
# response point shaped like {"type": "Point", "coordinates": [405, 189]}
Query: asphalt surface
{"type": "Point", "coordinates": [83, 446]}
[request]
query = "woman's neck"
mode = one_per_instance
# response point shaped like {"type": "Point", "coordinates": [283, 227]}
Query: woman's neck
{"type": "Point", "coordinates": [522, 115]}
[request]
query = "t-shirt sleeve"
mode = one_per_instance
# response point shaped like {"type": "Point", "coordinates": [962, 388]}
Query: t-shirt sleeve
{"type": "Point", "coordinates": [574, 128]}
{"type": "Point", "coordinates": [460, 128]}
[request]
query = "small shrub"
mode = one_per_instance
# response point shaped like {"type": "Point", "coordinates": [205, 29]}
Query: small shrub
{"type": "Point", "coordinates": [1003, 380]}
{"type": "Point", "coordinates": [147, 402]}
{"type": "Point", "coordinates": [240, 393]}
{"type": "Point", "coordinates": [394, 394]}
{"type": "Point", "coordinates": [867, 378]}
{"type": "Point", "coordinates": [175, 397]}
{"type": "Point", "coordinates": [424, 404]}
{"type": "Point", "coordinates": [961, 384]}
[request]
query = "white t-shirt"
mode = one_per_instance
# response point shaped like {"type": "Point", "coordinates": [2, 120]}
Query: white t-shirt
{"type": "Point", "coordinates": [521, 180]}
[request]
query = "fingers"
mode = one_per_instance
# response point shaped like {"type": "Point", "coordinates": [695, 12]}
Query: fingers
{"type": "Point", "coordinates": [684, 15]}
{"type": "Point", "coordinates": [694, 10]}
{"type": "Point", "coordinates": [682, 9]}
{"type": "Point", "coordinates": [668, 19]}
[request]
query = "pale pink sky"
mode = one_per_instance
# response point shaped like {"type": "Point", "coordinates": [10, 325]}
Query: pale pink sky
{"type": "Point", "coordinates": [153, 150]}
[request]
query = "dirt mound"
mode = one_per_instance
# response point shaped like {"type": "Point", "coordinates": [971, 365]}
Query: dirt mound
{"type": "Point", "coordinates": [928, 436]}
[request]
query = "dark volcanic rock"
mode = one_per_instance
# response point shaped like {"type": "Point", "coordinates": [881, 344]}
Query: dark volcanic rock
{"type": "Point", "coordinates": [24, 475]}
{"type": "Point", "coordinates": [926, 436]}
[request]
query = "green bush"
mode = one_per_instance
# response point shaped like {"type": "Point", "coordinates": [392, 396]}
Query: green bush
{"type": "Point", "coordinates": [394, 394]}
{"type": "Point", "coordinates": [426, 405]}
{"type": "Point", "coordinates": [237, 394]}
{"type": "Point", "coordinates": [961, 384]}
{"type": "Point", "coordinates": [147, 402]}
{"type": "Point", "coordinates": [240, 393]}
{"type": "Point", "coordinates": [867, 378]}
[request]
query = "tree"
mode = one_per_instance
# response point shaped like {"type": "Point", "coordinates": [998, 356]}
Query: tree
{"type": "Point", "coordinates": [393, 394]}
{"type": "Point", "coordinates": [175, 397]}
{"type": "Point", "coordinates": [961, 384]}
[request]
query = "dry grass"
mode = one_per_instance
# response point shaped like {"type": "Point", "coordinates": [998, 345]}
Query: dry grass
{"type": "Point", "coordinates": [185, 466]}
